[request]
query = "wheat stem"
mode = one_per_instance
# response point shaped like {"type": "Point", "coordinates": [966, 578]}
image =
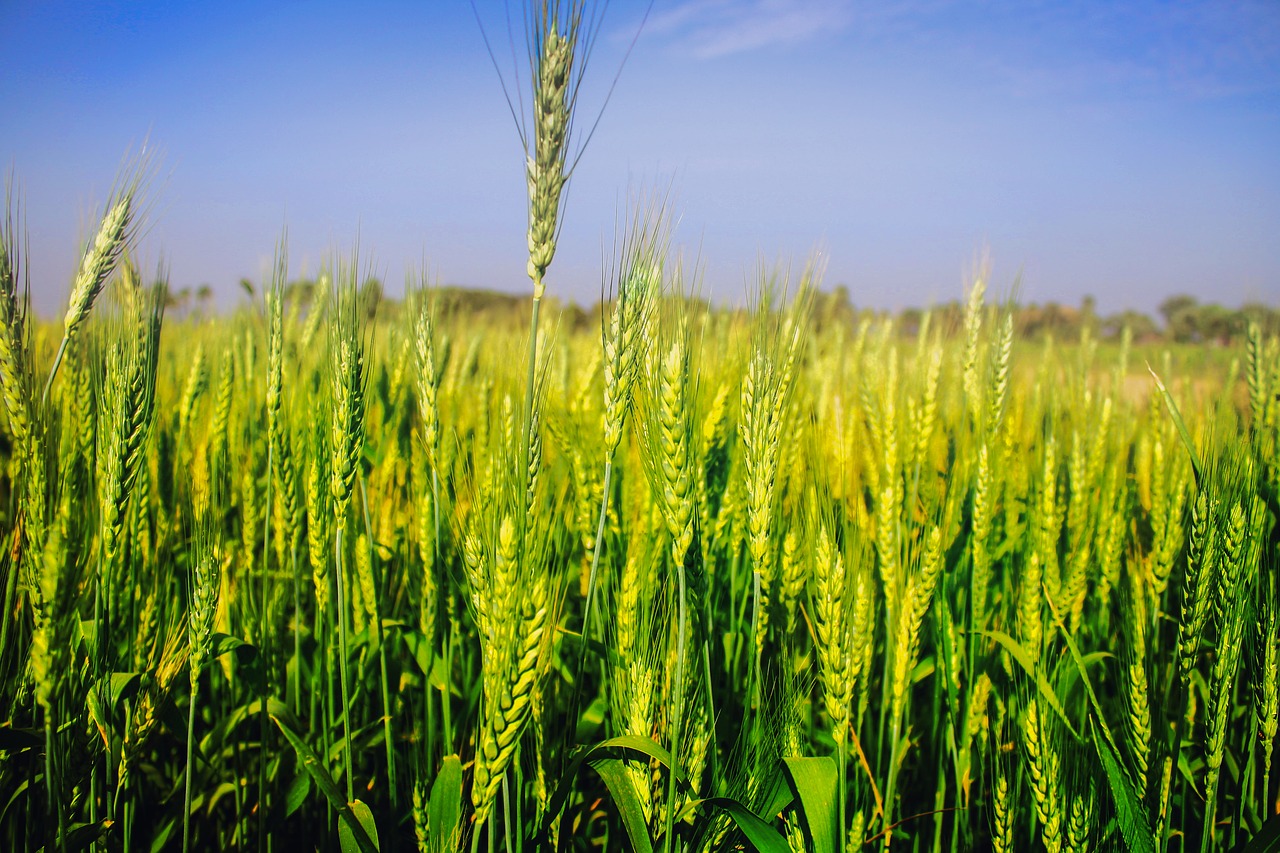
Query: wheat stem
{"type": "Point", "coordinates": [347, 755]}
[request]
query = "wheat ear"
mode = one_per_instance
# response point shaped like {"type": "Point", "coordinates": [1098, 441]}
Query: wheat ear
{"type": "Point", "coordinates": [115, 232]}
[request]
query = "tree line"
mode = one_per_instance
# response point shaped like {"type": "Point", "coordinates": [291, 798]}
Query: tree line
{"type": "Point", "coordinates": [1181, 318]}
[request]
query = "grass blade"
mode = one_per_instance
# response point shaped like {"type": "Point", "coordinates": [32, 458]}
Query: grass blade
{"type": "Point", "coordinates": [1137, 834]}
{"type": "Point", "coordinates": [1196, 468]}
{"type": "Point", "coordinates": [446, 805]}
{"type": "Point", "coordinates": [364, 823]}
{"type": "Point", "coordinates": [762, 836]}
{"type": "Point", "coordinates": [353, 822]}
{"type": "Point", "coordinates": [814, 781]}
{"type": "Point", "coordinates": [1018, 653]}
{"type": "Point", "coordinates": [1267, 839]}
{"type": "Point", "coordinates": [614, 773]}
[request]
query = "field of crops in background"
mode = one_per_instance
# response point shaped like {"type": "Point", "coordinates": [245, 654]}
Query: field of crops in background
{"type": "Point", "coordinates": [340, 572]}
{"type": "Point", "coordinates": [307, 566]}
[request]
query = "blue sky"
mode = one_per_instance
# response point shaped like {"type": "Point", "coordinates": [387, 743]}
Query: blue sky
{"type": "Point", "coordinates": [1127, 150]}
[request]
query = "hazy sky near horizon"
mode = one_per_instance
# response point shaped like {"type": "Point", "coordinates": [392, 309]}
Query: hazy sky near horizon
{"type": "Point", "coordinates": [1128, 150]}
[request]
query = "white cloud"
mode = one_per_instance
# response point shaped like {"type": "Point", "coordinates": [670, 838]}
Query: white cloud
{"type": "Point", "coordinates": [1036, 48]}
{"type": "Point", "coordinates": [712, 28]}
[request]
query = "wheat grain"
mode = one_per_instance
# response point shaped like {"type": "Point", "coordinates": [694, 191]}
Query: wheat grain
{"type": "Point", "coordinates": [1043, 770]}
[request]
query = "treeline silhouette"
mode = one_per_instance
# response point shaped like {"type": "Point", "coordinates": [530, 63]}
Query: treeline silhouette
{"type": "Point", "coordinates": [1181, 318]}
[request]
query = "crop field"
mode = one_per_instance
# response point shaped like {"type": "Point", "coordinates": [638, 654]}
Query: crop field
{"type": "Point", "coordinates": [339, 572]}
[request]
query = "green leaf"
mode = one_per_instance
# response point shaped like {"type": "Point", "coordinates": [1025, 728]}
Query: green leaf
{"type": "Point", "coordinates": [430, 665]}
{"type": "Point", "coordinates": [635, 743]}
{"type": "Point", "coordinates": [311, 761]}
{"type": "Point", "coordinates": [1196, 468]}
{"type": "Point", "coordinates": [780, 796]}
{"type": "Point", "coordinates": [168, 829]}
{"type": "Point", "coordinates": [419, 649]}
{"type": "Point", "coordinates": [1134, 827]}
{"type": "Point", "coordinates": [1267, 839]}
{"type": "Point", "coordinates": [122, 684]}
{"type": "Point", "coordinates": [948, 654]}
{"type": "Point", "coordinates": [221, 644]}
{"type": "Point", "coordinates": [81, 836]}
{"type": "Point", "coordinates": [219, 744]}
{"type": "Point", "coordinates": [445, 808]}
{"type": "Point", "coordinates": [299, 790]}
{"type": "Point", "coordinates": [246, 653]}
{"type": "Point", "coordinates": [1015, 649]}
{"type": "Point", "coordinates": [1138, 836]}
{"type": "Point", "coordinates": [88, 632]}
{"type": "Point", "coordinates": [247, 659]}
{"type": "Point", "coordinates": [19, 791]}
{"type": "Point", "coordinates": [623, 790]}
{"type": "Point", "coordinates": [312, 764]}
{"type": "Point", "coordinates": [347, 839]}
{"type": "Point", "coordinates": [815, 781]}
{"type": "Point", "coordinates": [645, 746]}
{"type": "Point", "coordinates": [762, 836]}
{"type": "Point", "coordinates": [105, 697]}
{"type": "Point", "coordinates": [592, 718]}
{"type": "Point", "coordinates": [224, 789]}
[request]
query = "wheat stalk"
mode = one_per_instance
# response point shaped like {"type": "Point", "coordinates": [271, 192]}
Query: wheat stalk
{"type": "Point", "coordinates": [1230, 624]}
{"type": "Point", "coordinates": [116, 231]}
{"type": "Point", "coordinates": [346, 440]}
{"type": "Point", "coordinates": [1266, 684]}
{"type": "Point", "coordinates": [15, 370]}
{"type": "Point", "coordinates": [514, 623]}
{"type": "Point", "coordinates": [1043, 769]}
{"type": "Point", "coordinates": [1078, 821]}
{"type": "Point", "coordinates": [972, 339]}
{"type": "Point", "coordinates": [1199, 577]}
{"type": "Point", "coordinates": [918, 598]}
{"type": "Point", "coordinates": [1139, 708]}
{"type": "Point", "coordinates": [201, 613]}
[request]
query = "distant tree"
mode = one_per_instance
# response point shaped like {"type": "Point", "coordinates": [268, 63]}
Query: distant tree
{"type": "Point", "coordinates": [1215, 323]}
{"type": "Point", "coordinates": [1266, 316]}
{"type": "Point", "coordinates": [1180, 317]}
{"type": "Point", "coordinates": [1061, 321]}
{"type": "Point", "coordinates": [1141, 326]}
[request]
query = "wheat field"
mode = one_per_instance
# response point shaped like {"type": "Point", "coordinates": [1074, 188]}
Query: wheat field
{"type": "Point", "coordinates": [332, 572]}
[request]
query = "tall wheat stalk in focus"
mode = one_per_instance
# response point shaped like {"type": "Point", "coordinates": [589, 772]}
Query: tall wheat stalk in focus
{"type": "Point", "coordinates": [116, 231]}
{"type": "Point", "coordinates": [559, 37]}
{"type": "Point", "coordinates": [347, 382]}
